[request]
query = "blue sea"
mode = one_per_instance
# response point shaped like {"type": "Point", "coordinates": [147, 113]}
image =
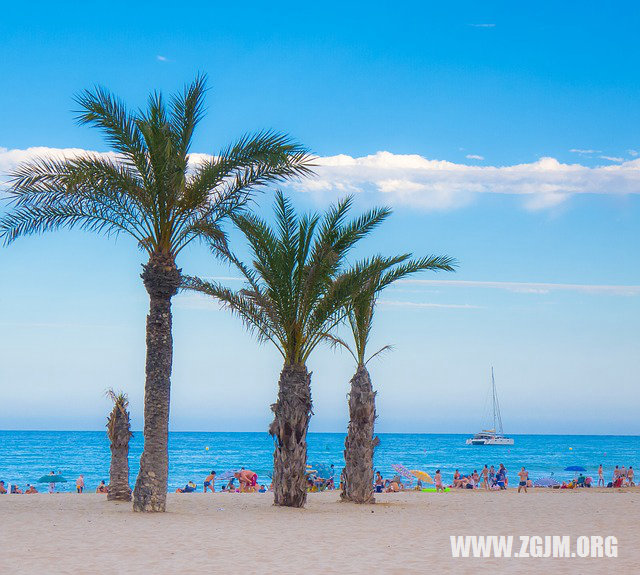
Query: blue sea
{"type": "Point", "coordinates": [27, 455]}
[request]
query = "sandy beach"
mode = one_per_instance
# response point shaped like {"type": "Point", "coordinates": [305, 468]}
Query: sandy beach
{"type": "Point", "coordinates": [403, 533]}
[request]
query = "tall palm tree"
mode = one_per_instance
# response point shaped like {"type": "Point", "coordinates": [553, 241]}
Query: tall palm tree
{"type": "Point", "coordinates": [295, 293]}
{"type": "Point", "coordinates": [119, 433]}
{"type": "Point", "coordinates": [360, 443]}
{"type": "Point", "coordinates": [148, 191]}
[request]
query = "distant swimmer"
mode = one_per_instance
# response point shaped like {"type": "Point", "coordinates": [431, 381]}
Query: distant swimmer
{"type": "Point", "coordinates": [209, 482]}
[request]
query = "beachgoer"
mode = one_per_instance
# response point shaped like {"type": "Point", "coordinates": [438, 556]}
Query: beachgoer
{"type": "Point", "coordinates": [209, 482]}
{"type": "Point", "coordinates": [476, 477]}
{"type": "Point", "coordinates": [504, 475]}
{"type": "Point", "coordinates": [231, 486]}
{"type": "Point", "coordinates": [16, 490]}
{"type": "Point", "coordinates": [600, 476]}
{"type": "Point", "coordinates": [31, 489]}
{"type": "Point", "coordinates": [263, 489]}
{"type": "Point", "coordinates": [524, 476]}
{"type": "Point", "coordinates": [616, 472]}
{"type": "Point", "coordinates": [379, 482]}
{"type": "Point", "coordinates": [190, 487]}
{"type": "Point", "coordinates": [52, 485]}
{"type": "Point", "coordinates": [437, 478]}
{"type": "Point", "coordinates": [456, 478]}
{"type": "Point", "coordinates": [630, 476]}
{"type": "Point", "coordinates": [492, 474]}
{"type": "Point", "coordinates": [3, 489]}
{"type": "Point", "coordinates": [102, 488]}
{"type": "Point", "coordinates": [247, 478]}
{"type": "Point", "coordinates": [485, 476]}
{"type": "Point", "coordinates": [80, 484]}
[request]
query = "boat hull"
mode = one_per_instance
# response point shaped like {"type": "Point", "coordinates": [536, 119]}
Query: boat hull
{"type": "Point", "coordinates": [490, 441]}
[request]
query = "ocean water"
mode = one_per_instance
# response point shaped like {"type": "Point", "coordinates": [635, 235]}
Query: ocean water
{"type": "Point", "coordinates": [27, 455]}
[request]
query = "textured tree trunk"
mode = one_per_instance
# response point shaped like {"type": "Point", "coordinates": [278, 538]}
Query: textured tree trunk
{"type": "Point", "coordinates": [119, 435]}
{"type": "Point", "coordinates": [292, 412]}
{"type": "Point", "coordinates": [360, 443]}
{"type": "Point", "coordinates": [161, 279]}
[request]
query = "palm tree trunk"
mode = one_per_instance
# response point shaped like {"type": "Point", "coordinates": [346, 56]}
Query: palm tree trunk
{"type": "Point", "coordinates": [292, 412]}
{"type": "Point", "coordinates": [120, 434]}
{"type": "Point", "coordinates": [360, 443]}
{"type": "Point", "coordinates": [161, 279]}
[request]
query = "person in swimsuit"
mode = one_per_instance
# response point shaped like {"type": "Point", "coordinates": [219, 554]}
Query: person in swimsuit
{"type": "Point", "coordinates": [31, 489]}
{"type": "Point", "coordinates": [3, 489]}
{"type": "Point", "coordinates": [630, 476]}
{"type": "Point", "coordinates": [80, 484]}
{"type": "Point", "coordinates": [524, 476]}
{"type": "Point", "coordinates": [438, 481]}
{"type": "Point", "coordinates": [379, 482]}
{"type": "Point", "coordinates": [600, 476]}
{"type": "Point", "coordinates": [209, 482]}
{"type": "Point", "coordinates": [485, 477]}
{"type": "Point", "coordinates": [190, 487]}
{"type": "Point", "coordinates": [102, 488]}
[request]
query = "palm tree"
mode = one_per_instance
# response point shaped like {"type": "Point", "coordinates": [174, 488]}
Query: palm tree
{"type": "Point", "coordinates": [295, 293]}
{"type": "Point", "coordinates": [148, 191]}
{"type": "Point", "coordinates": [119, 433]}
{"type": "Point", "coordinates": [359, 445]}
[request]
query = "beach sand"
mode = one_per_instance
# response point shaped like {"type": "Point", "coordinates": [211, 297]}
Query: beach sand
{"type": "Point", "coordinates": [244, 533]}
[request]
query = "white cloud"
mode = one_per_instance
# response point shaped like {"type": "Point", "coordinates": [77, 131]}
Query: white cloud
{"type": "Point", "coordinates": [483, 25]}
{"type": "Point", "coordinates": [612, 159]}
{"type": "Point", "coordinates": [162, 58]}
{"type": "Point", "coordinates": [633, 153]}
{"type": "Point", "coordinates": [474, 157]}
{"type": "Point", "coordinates": [418, 182]}
{"type": "Point", "coordinates": [584, 152]}
{"type": "Point", "coordinates": [532, 287]}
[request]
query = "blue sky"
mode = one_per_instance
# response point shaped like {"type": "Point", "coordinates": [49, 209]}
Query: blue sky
{"type": "Point", "coordinates": [506, 136]}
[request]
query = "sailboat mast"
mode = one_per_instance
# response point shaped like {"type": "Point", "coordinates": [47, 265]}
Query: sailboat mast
{"type": "Point", "coordinates": [497, 418]}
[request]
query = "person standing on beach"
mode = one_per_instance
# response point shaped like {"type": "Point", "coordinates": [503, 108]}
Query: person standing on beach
{"type": "Point", "coordinates": [524, 476]}
{"type": "Point", "coordinates": [485, 477]}
{"type": "Point", "coordinates": [438, 481]}
{"type": "Point", "coordinates": [209, 482]}
{"type": "Point", "coordinates": [80, 484]}
{"type": "Point", "coordinates": [3, 489]}
{"type": "Point", "coordinates": [52, 485]}
{"type": "Point", "coordinates": [600, 476]}
{"type": "Point", "coordinates": [630, 476]}
{"type": "Point", "coordinates": [503, 470]}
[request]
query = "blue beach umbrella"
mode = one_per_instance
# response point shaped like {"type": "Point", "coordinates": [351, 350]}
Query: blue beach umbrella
{"type": "Point", "coordinates": [574, 468]}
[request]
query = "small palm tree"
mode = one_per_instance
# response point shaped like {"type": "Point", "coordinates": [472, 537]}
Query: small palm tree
{"type": "Point", "coordinates": [148, 191]}
{"type": "Point", "coordinates": [119, 433]}
{"type": "Point", "coordinates": [295, 293]}
{"type": "Point", "coordinates": [360, 443]}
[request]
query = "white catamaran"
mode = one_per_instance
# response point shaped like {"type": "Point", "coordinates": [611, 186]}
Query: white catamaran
{"type": "Point", "coordinates": [493, 436]}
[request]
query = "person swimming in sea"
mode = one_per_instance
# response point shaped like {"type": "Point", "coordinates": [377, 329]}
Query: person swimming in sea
{"type": "Point", "coordinates": [209, 482]}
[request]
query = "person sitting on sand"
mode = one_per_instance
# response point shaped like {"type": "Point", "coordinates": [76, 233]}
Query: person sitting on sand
{"type": "Point", "coordinates": [231, 486]}
{"type": "Point", "coordinates": [16, 490]}
{"type": "Point", "coordinates": [394, 487]}
{"type": "Point", "coordinates": [190, 487]}
{"type": "Point", "coordinates": [524, 476]}
{"type": "Point", "coordinates": [209, 482]}
{"type": "Point", "coordinates": [30, 489]}
{"type": "Point", "coordinates": [80, 484]}
{"type": "Point", "coordinates": [3, 489]}
{"type": "Point", "coordinates": [456, 477]}
{"type": "Point", "coordinates": [437, 478]}
{"type": "Point", "coordinates": [102, 488]}
{"type": "Point", "coordinates": [263, 489]}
